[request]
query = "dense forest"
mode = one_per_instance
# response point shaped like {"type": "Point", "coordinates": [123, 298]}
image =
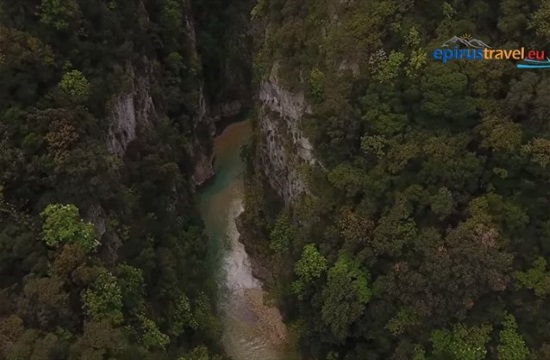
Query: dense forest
{"type": "Point", "coordinates": [102, 252]}
{"type": "Point", "coordinates": [425, 233]}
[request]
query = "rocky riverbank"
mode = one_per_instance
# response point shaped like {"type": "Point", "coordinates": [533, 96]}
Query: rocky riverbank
{"type": "Point", "coordinates": [260, 261]}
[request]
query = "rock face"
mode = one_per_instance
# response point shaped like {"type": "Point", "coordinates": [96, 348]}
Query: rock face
{"type": "Point", "coordinates": [132, 108]}
{"type": "Point", "coordinates": [209, 116]}
{"type": "Point", "coordinates": [230, 109]}
{"type": "Point", "coordinates": [203, 167]}
{"type": "Point", "coordinates": [135, 109]}
{"type": "Point", "coordinates": [202, 157]}
{"type": "Point", "coordinates": [97, 216]}
{"type": "Point", "coordinates": [283, 148]}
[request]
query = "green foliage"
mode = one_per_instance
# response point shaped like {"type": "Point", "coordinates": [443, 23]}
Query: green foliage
{"type": "Point", "coordinates": [259, 9]}
{"type": "Point", "coordinates": [344, 296]}
{"type": "Point", "coordinates": [539, 149]}
{"type": "Point", "coordinates": [418, 56]}
{"type": "Point", "coordinates": [172, 13]}
{"type": "Point", "coordinates": [175, 61]}
{"type": "Point", "coordinates": [99, 340]}
{"type": "Point", "coordinates": [443, 202]}
{"type": "Point", "coordinates": [262, 61]}
{"type": "Point", "coordinates": [418, 59]}
{"type": "Point", "coordinates": [432, 175]}
{"type": "Point", "coordinates": [346, 177]}
{"type": "Point", "coordinates": [383, 121]}
{"type": "Point", "coordinates": [199, 353]}
{"type": "Point", "coordinates": [132, 286]}
{"type": "Point", "coordinates": [103, 300]}
{"type": "Point", "coordinates": [461, 343]}
{"type": "Point", "coordinates": [448, 10]}
{"type": "Point", "coordinates": [418, 353]}
{"type": "Point", "coordinates": [394, 230]}
{"type": "Point", "coordinates": [75, 85]}
{"type": "Point", "coordinates": [511, 345]}
{"type": "Point", "coordinates": [57, 145]}
{"type": "Point", "coordinates": [388, 70]}
{"type": "Point", "coordinates": [317, 84]}
{"type": "Point", "coordinates": [151, 337]}
{"type": "Point", "coordinates": [58, 13]}
{"type": "Point", "coordinates": [63, 225]}
{"type": "Point", "coordinates": [500, 172]}
{"type": "Point", "coordinates": [540, 20]}
{"type": "Point", "coordinates": [404, 318]}
{"type": "Point", "coordinates": [374, 144]}
{"type": "Point", "coordinates": [183, 317]}
{"type": "Point", "coordinates": [535, 279]}
{"type": "Point", "coordinates": [33, 345]}
{"type": "Point", "coordinates": [282, 235]}
{"type": "Point", "coordinates": [204, 318]}
{"type": "Point", "coordinates": [500, 134]}
{"type": "Point", "coordinates": [310, 266]}
{"type": "Point", "coordinates": [444, 93]}
{"type": "Point", "coordinates": [412, 39]}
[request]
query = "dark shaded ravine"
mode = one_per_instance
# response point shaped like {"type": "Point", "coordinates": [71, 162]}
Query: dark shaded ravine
{"type": "Point", "coordinates": [252, 330]}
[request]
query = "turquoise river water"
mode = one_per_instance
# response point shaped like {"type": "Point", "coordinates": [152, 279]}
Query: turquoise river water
{"type": "Point", "coordinates": [252, 330]}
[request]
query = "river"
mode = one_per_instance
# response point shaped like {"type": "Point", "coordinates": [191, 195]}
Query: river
{"type": "Point", "coordinates": [252, 330]}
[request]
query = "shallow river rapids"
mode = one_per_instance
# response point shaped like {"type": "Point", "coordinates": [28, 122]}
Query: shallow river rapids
{"type": "Point", "coordinates": [252, 330]}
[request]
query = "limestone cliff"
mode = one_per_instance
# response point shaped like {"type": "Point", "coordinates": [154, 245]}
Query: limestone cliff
{"type": "Point", "coordinates": [134, 109]}
{"type": "Point", "coordinates": [209, 116]}
{"type": "Point", "coordinates": [202, 156]}
{"type": "Point", "coordinates": [283, 148]}
{"type": "Point", "coordinates": [131, 109]}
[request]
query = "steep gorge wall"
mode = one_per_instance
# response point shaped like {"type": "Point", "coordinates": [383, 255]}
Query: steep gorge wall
{"type": "Point", "coordinates": [134, 110]}
{"type": "Point", "coordinates": [283, 149]}
{"type": "Point", "coordinates": [295, 61]}
{"type": "Point", "coordinates": [130, 110]}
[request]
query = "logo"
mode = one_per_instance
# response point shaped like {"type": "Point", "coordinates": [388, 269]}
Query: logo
{"type": "Point", "coordinates": [466, 41]}
{"type": "Point", "coordinates": [535, 64]}
{"type": "Point", "coordinates": [467, 48]}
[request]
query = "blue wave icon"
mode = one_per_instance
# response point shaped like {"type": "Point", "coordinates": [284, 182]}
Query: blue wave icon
{"type": "Point", "coordinates": [535, 64]}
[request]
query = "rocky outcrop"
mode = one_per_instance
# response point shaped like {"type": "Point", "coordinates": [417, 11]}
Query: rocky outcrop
{"type": "Point", "coordinates": [230, 109]}
{"type": "Point", "coordinates": [202, 157]}
{"type": "Point", "coordinates": [210, 116]}
{"type": "Point", "coordinates": [130, 109]}
{"type": "Point", "coordinates": [111, 242]}
{"type": "Point", "coordinates": [134, 109]}
{"type": "Point", "coordinates": [283, 148]}
{"type": "Point", "coordinates": [261, 266]}
{"type": "Point", "coordinates": [203, 166]}
{"type": "Point", "coordinates": [209, 113]}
